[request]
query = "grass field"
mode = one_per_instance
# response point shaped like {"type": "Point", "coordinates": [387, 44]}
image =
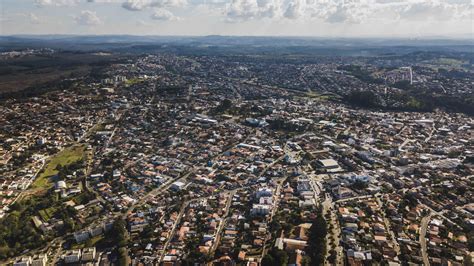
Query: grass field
{"type": "Point", "coordinates": [89, 243]}
{"type": "Point", "coordinates": [133, 81]}
{"type": "Point", "coordinates": [315, 96]}
{"type": "Point", "coordinates": [65, 157]}
{"type": "Point", "coordinates": [46, 214]}
{"type": "Point", "coordinates": [448, 63]}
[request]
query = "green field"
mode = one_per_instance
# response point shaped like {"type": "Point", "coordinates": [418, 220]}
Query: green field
{"type": "Point", "coordinates": [133, 81]}
{"type": "Point", "coordinates": [448, 63]}
{"type": "Point", "coordinates": [92, 242]}
{"type": "Point", "coordinates": [46, 214]}
{"type": "Point", "coordinates": [65, 157]}
{"type": "Point", "coordinates": [315, 96]}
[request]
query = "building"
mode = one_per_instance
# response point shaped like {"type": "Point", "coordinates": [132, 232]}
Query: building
{"type": "Point", "coordinates": [290, 244]}
{"type": "Point", "coordinates": [40, 260]}
{"type": "Point", "coordinates": [81, 236]}
{"type": "Point", "coordinates": [88, 254]}
{"type": "Point", "coordinates": [260, 209]}
{"type": "Point", "coordinates": [177, 186]}
{"type": "Point", "coordinates": [23, 261]}
{"type": "Point", "coordinates": [330, 165]}
{"type": "Point", "coordinates": [95, 231]}
{"type": "Point", "coordinates": [72, 256]}
{"type": "Point", "coordinates": [264, 192]}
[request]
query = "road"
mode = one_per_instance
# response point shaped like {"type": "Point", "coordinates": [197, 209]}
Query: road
{"type": "Point", "coordinates": [424, 227]}
{"type": "Point", "coordinates": [441, 215]}
{"type": "Point", "coordinates": [328, 207]}
{"type": "Point", "coordinates": [173, 230]}
{"type": "Point", "coordinates": [155, 192]}
{"type": "Point", "coordinates": [354, 198]}
{"type": "Point", "coordinates": [222, 223]}
{"type": "Point", "coordinates": [395, 244]}
{"type": "Point", "coordinates": [400, 148]}
{"type": "Point", "coordinates": [274, 208]}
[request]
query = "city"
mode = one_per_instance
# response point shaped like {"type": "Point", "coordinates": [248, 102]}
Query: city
{"type": "Point", "coordinates": [165, 159]}
{"type": "Point", "coordinates": [236, 132]}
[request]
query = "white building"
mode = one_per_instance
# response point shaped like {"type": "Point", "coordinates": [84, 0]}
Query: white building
{"type": "Point", "coordinates": [72, 256]}
{"type": "Point", "coordinates": [40, 260]}
{"type": "Point", "coordinates": [264, 192]}
{"type": "Point", "coordinates": [23, 261]}
{"type": "Point", "coordinates": [260, 209]}
{"type": "Point", "coordinates": [266, 200]}
{"type": "Point", "coordinates": [88, 254]}
{"type": "Point", "coordinates": [177, 186]}
{"type": "Point", "coordinates": [81, 236]}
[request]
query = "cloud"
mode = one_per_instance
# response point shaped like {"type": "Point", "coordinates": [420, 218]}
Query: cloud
{"type": "Point", "coordinates": [294, 9]}
{"type": "Point", "coordinates": [104, 1]}
{"type": "Point", "coordinates": [88, 18]}
{"type": "Point", "coordinates": [138, 5]}
{"type": "Point", "coordinates": [33, 19]}
{"type": "Point", "coordinates": [141, 22]}
{"type": "Point", "coordinates": [135, 5]}
{"type": "Point", "coordinates": [239, 10]}
{"type": "Point", "coordinates": [340, 11]}
{"type": "Point", "coordinates": [163, 15]}
{"type": "Point", "coordinates": [44, 3]}
{"type": "Point", "coordinates": [431, 10]}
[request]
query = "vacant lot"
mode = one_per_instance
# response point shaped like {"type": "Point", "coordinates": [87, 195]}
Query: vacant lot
{"type": "Point", "coordinates": [65, 157]}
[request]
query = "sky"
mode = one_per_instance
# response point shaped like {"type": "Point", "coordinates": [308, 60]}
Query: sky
{"type": "Point", "coordinates": [322, 18]}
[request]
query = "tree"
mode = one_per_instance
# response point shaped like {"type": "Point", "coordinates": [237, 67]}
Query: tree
{"type": "Point", "coordinates": [316, 248]}
{"type": "Point", "coordinates": [225, 105]}
{"type": "Point", "coordinates": [118, 233]}
{"type": "Point", "coordinates": [123, 257]}
{"type": "Point", "coordinates": [268, 260]}
{"type": "Point", "coordinates": [363, 98]}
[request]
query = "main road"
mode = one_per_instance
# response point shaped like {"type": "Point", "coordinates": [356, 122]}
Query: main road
{"type": "Point", "coordinates": [424, 226]}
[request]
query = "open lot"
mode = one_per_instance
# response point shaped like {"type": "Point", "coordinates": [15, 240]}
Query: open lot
{"type": "Point", "coordinates": [65, 157]}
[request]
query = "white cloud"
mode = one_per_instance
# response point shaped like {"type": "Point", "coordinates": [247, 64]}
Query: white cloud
{"type": "Point", "coordinates": [163, 14]}
{"type": "Point", "coordinates": [138, 5]}
{"type": "Point", "coordinates": [362, 11]}
{"type": "Point", "coordinates": [239, 10]}
{"type": "Point", "coordinates": [135, 5]}
{"type": "Point", "coordinates": [295, 9]}
{"type": "Point", "coordinates": [340, 11]}
{"type": "Point", "coordinates": [104, 1]}
{"type": "Point", "coordinates": [88, 18]}
{"type": "Point", "coordinates": [141, 22]}
{"type": "Point", "coordinates": [44, 3]}
{"type": "Point", "coordinates": [33, 19]}
{"type": "Point", "coordinates": [433, 10]}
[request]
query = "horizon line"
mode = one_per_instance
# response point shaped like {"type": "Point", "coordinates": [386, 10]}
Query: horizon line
{"type": "Point", "coordinates": [467, 36]}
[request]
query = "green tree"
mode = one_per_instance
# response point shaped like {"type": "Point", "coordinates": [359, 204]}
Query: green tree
{"type": "Point", "coordinates": [268, 260]}
{"type": "Point", "coordinates": [316, 248]}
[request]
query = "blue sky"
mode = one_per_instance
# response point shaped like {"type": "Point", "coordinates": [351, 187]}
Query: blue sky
{"type": "Point", "coordinates": [331, 18]}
